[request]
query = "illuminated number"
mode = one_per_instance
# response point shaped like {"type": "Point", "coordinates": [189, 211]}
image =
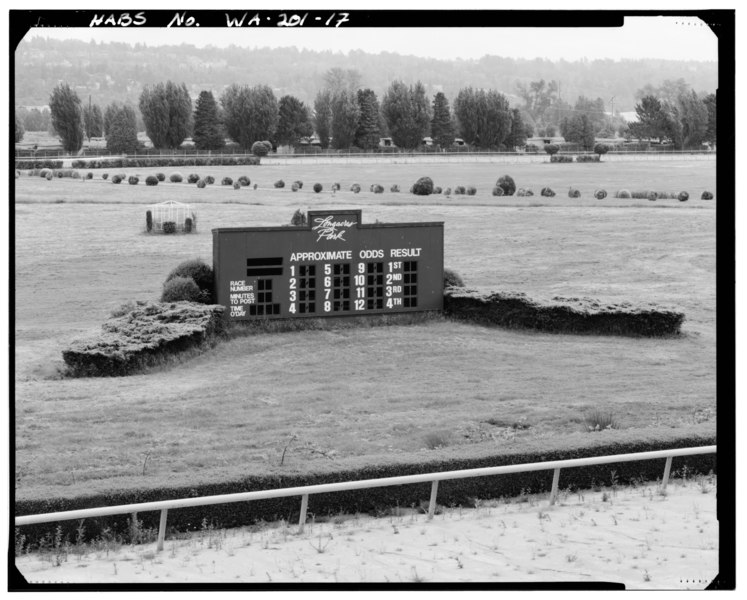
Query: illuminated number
{"type": "Point", "coordinates": [360, 292]}
{"type": "Point", "coordinates": [327, 306]}
{"type": "Point", "coordinates": [293, 296]}
{"type": "Point", "coordinates": [389, 303]}
{"type": "Point", "coordinates": [389, 290]}
{"type": "Point", "coordinates": [293, 270]}
{"type": "Point", "coordinates": [327, 281]}
{"type": "Point", "coordinates": [361, 268]}
{"type": "Point", "coordinates": [359, 304]}
{"type": "Point", "coordinates": [293, 283]}
{"type": "Point", "coordinates": [292, 308]}
{"type": "Point", "coordinates": [360, 280]}
{"type": "Point", "coordinates": [328, 270]}
{"type": "Point", "coordinates": [389, 279]}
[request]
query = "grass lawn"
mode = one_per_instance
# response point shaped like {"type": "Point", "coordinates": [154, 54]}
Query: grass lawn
{"type": "Point", "coordinates": [357, 395]}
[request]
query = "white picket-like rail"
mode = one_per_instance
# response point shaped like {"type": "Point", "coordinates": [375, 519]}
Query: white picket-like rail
{"type": "Point", "coordinates": [306, 491]}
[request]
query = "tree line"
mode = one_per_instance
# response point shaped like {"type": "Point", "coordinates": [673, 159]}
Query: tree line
{"type": "Point", "coordinates": [344, 115]}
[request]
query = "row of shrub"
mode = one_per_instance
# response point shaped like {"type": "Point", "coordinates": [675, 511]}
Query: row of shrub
{"type": "Point", "coordinates": [165, 161]}
{"type": "Point", "coordinates": [380, 500]}
{"type": "Point", "coordinates": [38, 164]}
{"type": "Point", "coordinates": [560, 315]}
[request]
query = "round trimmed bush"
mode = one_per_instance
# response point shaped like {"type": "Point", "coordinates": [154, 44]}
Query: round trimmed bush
{"type": "Point", "coordinates": [652, 196]}
{"type": "Point", "coordinates": [498, 191]}
{"type": "Point", "coordinates": [600, 194]}
{"type": "Point", "coordinates": [132, 180]}
{"type": "Point", "coordinates": [193, 178]}
{"type": "Point", "coordinates": [176, 178]}
{"type": "Point", "coordinates": [552, 149]}
{"type": "Point", "coordinates": [395, 188]}
{"type": "Point", "coordinates": [447, 192]}
{"type": "Point", "coordinates": [623, 194]}
{"type": "Point", "coordinates": [169, 227]}
{"type": "Point", "coordinates": [317, 187]}
{"type": "Point", "coordinates": [201, 183]}
{"type": "Point", "coordinates": [436, 190]}
{"type": "Point", "coordinates": [49, 176]}
{"type": "Point", "coordinates": [355, 188]}
{"type": "Point", "coordinates": [236, 185]}
{"type": "Point", "coordinates": [105, 176]}
{"type": "Point", "coordinates": [706, 196]}
{"type": "Point", "coordinates": [209, 180]}
{"type": "Point", "coordinates": [149, 219]}
{"type": "Point", "coordinates": [279, 183]}
{"type": "Point", "coordinates": [44, 172]}
{"type": "Point", "coordinates": [471, 190]}
{"type": "Point", "coordinates": [336, 187]}
{"type": "Point", "coordinates": [89, 175]}
{"type": "Point", "coordinates": [259, 149]}
{"type": "Point", "coordinates": [116, 179]}
{"type": "Point", "coordinates": [574, 193]}
{"type": "Point", "coordinates": [601, 149]}
{"type": "Point", "coordinates": [507, 184]}
{"type": "Point", "coordinates": [151, 180]}
{"type": "Point", "coordinates": [59, 174]}
{"type": "Point", "coordinates": [226, 181]}
{"type": "Point", "coordinates": [196, 270]}
{"type": "Point", "coordinates": [244, 181]}
{"type": "Point", "coordinates": [161, 176]}
{"type": "Point", "coordinates": [378, 189]}
{"type": "Point", "coordinates": [528, 192]}
{"type": "Point", "coordinates": [188, 225]}
{"type": "Point", "coordinates": [458, 190]}
{"type": "Point", "coordinates": [180, 289]}
{"type": "Point", "coordinates": [683, 196]}
{"type": "Point", "coordinates": [294, 187]}
{"type": "Point", "coordinates": [299, 184]}
{"type": "Point", "coordinates": [547, 192]}
{"type": "Point", "coordinates": [423, 187]}
{"type": "Point", "coordinates": [452, 279]}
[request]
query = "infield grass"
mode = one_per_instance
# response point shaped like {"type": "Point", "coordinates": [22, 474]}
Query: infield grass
{"type": "Point", "coordinates": [355, 396]}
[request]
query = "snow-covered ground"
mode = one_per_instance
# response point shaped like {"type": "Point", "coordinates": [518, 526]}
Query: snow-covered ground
{"type": "Point", "coordinates": [632, 535]}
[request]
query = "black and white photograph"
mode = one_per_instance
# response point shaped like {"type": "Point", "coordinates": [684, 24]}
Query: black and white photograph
{"type": "Point", "coordinates": [371, 299]}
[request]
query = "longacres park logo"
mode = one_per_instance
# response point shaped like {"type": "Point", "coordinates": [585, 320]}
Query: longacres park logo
{"type": "Point", "coordinates": [329, 229]}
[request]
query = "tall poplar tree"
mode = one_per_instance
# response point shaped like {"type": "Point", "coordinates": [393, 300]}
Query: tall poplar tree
{"type": "Point", "coordinates": [249, 114]}
{"type": "Point", "coordinates": [323, 116]}
{"type": "Point", "coordinates": [344, 121]}
{"type": "Point", "coordinates": [67, 117]}
{"type": "Point", "coordinates": [293, 121]}
{"type": "Point", "coordinates": [167, 111]}
{"type": "Point", "coordinates": [405, 109]}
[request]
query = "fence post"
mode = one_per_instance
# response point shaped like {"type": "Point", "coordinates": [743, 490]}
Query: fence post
{"type": "Point", "coordinates": [554, 491]}
{"type": "Point", "coordinates": [302, 517]}
{"type": "Point", "coordinates": [134, 529]}
{"type": "Point", "coordinates": [432, 503]}
{"type": "Point", "coordinates": [667, 469]}
{"type": "Point", "coordinates": [162, 530]}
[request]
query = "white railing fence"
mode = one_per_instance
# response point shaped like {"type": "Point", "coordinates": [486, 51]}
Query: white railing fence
{"type": "Point", "coordinates": [305, 491]}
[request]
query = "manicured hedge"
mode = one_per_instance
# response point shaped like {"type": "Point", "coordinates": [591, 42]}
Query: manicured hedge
{"type": "Point", "coordinates": [144, 335]}
{"type": "Point", "coordinates": [378, 501]}
{"type": "Point", "coordinates": [39, 164]}
{"type": "Point", "coordinates": [155, 161]}
{"type": "Point", "coordinates": [560, 315]}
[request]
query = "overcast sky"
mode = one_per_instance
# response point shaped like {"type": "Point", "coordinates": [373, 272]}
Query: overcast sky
{"type": "Point", "coordinates": [676, 38]}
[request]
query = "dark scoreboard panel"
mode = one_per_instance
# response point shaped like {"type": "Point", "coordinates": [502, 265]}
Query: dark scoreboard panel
{"type": "Point", "coordinates": [334, 266]}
